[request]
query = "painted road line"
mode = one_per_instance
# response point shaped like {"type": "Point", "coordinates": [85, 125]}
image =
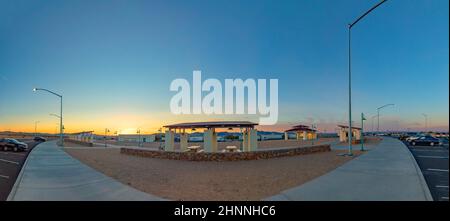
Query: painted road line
{"type": "Point", "coordinates": [433, 151]}
{"type": "Point", "coordinates": [9, 161]}
{"type": "Point", "coordinates": [20, 154]}
{"type": "Point", "coordinates": [3, 176]}
{"type": "Point", "coordinates": [439, 186]}
{"type": "Point", "coordinates": [437, 170]}
{"type": "Point", "coordinates": [434, 157]}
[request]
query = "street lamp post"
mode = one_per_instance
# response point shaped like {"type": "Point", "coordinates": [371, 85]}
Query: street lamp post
{"type": "Point", "coordinates": [350, 76]}
{"type": "Point", "coordinates": [362, 131]}
{"type": "Point", "coordinates": [55, 115]}
{"type": "Point", "coordinates": [35, 128]}
{"type": "Point", "coordinates": [378, 115]}
{"type": "Point", "coordinates": [426, 122]}
{"type": "Point", "coordinates": [61, 137]}
{"type": "Point", "coordinates": [139, 137]}
{"type": "Point", "coordinates": [106, 134]}
{"type": "Point", "coordinates": [373, 117]}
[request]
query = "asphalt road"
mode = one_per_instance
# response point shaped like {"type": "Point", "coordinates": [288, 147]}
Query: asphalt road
{"type": "Point", "coordinates": [433, 161]}
{"type": "Point", "coordinates": [10, 165]}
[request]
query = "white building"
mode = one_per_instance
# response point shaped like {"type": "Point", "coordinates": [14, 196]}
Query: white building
{"type": "Point", "coordinates": [143, 138]}
{"type": "Point", "coordinates": [85, 136]}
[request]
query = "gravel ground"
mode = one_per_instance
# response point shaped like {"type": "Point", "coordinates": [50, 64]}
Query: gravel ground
{"type": "Point", "coordinates": [188, 180]}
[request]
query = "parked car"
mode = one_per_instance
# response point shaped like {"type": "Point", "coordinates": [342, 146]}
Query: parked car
{"type": "Point", "coordinates": [404, 137]}
{"type": "Point", "coordinates": [426, 141]}
{"type": "Point", "coordinates": [39, 139]}
{"type": "Point", "coordinates": [12, 144]}
{"type": "Point", "coordinates": [414, 137]}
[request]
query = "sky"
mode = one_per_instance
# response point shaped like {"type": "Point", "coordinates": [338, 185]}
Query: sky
{"type": "Point", "coordinates": [113, 61]}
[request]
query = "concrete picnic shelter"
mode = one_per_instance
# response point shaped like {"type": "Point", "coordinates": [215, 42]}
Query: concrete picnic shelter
{"type": "Point", "coordinates": [249, 134]}
{"type": "Point", "coordinates": [302, 132]}
{"type": "Point", "coordinates": [343, 133]}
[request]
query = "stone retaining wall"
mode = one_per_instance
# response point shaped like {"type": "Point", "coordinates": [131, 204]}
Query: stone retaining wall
{"type": "Point", "coordinates": [219, 156]}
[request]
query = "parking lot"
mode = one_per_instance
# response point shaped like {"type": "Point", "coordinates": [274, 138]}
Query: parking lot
{"type": "Point", "coordinates": [433, 161]}
{"type": "Point", "coordinates": [10, 165]}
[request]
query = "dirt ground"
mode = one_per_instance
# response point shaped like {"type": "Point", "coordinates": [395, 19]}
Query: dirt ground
{"type": "Point", "coordinates": [188, 180]}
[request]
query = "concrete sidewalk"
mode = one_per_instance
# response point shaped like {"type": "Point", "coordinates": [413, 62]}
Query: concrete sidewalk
{"type": "Point", "coordinates": [49, 173]}
{"type": "Point", "coordinates": [388, 172]}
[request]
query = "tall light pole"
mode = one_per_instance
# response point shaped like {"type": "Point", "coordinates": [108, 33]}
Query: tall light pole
{"type": "Point", "coordinates": [35, 127]}
{"type": "Point", "coordinates": [426, 122]}
{"type": "Point", "coordinates": [106, 134]}
{"type": "Point", "coordinates": [378, 114]}
{"type": "Point", "coordinates": [362, 131]}
{"type": "Point", "coordinates": [61, 137]}
{"type": "Point", "coordinates": [373, 117]}
{"type": "Point", "coordinates": [350, 76]}
{"type": "Point", "coordinates": [139, 136]}
{"type": "Point", "coordinates": [57, 116]}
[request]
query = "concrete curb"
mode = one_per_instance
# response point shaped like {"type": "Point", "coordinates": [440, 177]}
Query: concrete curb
{"type": "Point", "coordinates": [426, 190]}
{"type": "Point", "coordinates": [19, 177]}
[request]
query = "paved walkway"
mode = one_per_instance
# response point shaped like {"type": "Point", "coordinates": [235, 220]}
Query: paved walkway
{"type": "Point", "coordinates": [51, 174]}
{"type": "Point", "coordinates": [385, 173]}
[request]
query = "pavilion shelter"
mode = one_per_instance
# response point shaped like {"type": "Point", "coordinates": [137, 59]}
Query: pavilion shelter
{"type": "Point", "coordinates": [302, 132]}
{"type": "Point", "coordinates": [343, 133]}
{"type": "Point", "coordinates": [249, 134]}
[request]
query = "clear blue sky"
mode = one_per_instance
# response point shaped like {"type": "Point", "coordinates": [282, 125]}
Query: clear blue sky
{"type": "Point", "coordinates": [114, 60]}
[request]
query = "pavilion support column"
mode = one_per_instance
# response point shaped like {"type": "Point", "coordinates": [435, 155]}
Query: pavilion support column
{"type": "Point", "coordinates": [210, 140]}
{"type": "Point", "coordinates": [297, 135]}
{"type": "Point", "coordinates": [245, 140]}
{"type": "Point", "coordinates": [342, 135]}
{"type": "Point", "coordinates": [286, 136]}
{"type": "Point", "coordinates": [357, 135]}
{"type": "Point", "coordinates": [214, 141]}
{"type": "Point", "coordinates": [169, 140]}
{"type": "Point", "coordinates": [252, 140]}
{"type": "Point", "coordinates": [305, 135]}
{"type": "Point", "coordinates": [183, 141]}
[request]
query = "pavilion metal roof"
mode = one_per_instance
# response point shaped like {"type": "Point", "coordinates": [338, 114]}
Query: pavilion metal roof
{"type": "Point", "coordinates": [213, 124]}
{"type": "Point", "coordinates": [300, 127]}
{"type": "Point", "coordinates": [344, 126]}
